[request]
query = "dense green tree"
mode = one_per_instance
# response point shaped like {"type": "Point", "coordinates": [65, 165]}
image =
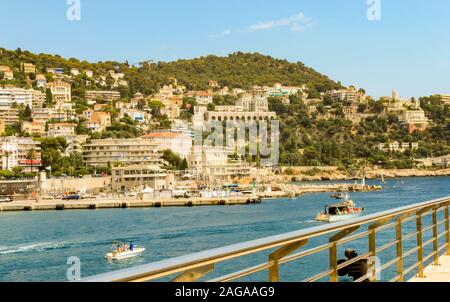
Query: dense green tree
{"type": "Point", "coordinates": [175, 161]}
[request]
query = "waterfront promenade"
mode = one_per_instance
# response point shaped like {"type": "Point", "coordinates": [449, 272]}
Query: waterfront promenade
{"type": "Point", "coordinates": [288, 191]}
{"type": "Point", "coordinates": [436, 273]}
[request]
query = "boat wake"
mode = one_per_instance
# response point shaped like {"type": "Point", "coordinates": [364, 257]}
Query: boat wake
{"type": "Point", "coordinates": [305, 222]}
{"type": "Point", "coordinates": [48, 246]}
{"type": "Point", "coordinates": [24, 248]}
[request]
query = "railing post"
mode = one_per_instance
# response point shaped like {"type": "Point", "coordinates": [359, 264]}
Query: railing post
{"type": "Point", "coordinates": [435, 238]}
{"type": "Point", "coordinates": [419, 245]}
{"type": "Point", "coordinates": [399, 238]}
{"type": "Point", "coordinates": [333, 263]}
{"type": "Point", "coordinates": [194, 274]}
{"type": "Point", "coordinates": [447, 229]}
{"type": "Point", "coordinates": [279, 254]}
{"type": "Point", "coordinates": [333, 251]}
{"type": "Point", "coordinates": [372, 243]}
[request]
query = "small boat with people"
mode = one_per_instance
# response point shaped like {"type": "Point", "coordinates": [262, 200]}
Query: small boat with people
{"type": "Point", "coordinates": [121, 251]}
{"type": "Point", "coordinates": [338, 195]}
{"type": "Point", "coordinates": [340, 211]}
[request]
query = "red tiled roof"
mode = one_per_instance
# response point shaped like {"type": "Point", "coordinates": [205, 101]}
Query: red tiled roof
{"type": "Point", "coordinates": [161, 135]}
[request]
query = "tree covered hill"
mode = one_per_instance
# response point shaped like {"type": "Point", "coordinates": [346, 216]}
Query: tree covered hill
{"type": "Point", "coordinates": [307, 138]}
{"type": "Point", "coordinates": [239, 69]}
{"type": "Point", "coordinates": [243, 70]}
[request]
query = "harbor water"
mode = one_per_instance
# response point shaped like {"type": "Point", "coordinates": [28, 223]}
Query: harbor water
{"type": "Point", "coordinates": [35, 246]}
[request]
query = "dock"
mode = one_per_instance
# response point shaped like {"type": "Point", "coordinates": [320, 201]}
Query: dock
{"type": "Point", "coordinates": [93, 204]}
{"type": "Point", "coordinates": [288, 191]}
{"type": "Point", "coordinates": [297, 190]}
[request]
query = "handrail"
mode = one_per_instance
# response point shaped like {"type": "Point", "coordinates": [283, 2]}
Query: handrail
{"type": "Point", "coordinates": [286, 241]}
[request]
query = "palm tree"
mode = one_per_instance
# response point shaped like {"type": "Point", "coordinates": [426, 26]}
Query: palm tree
{"type": "Point", "coordinates": [31, 157]}
{"type": "Point", "coordinates": [7, 154]}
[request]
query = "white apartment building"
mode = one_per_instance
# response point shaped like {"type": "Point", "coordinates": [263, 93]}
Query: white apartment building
{"type": "Point", "coordinates": [212, 165]}
{"type": "Point", "coordinates": [198, 120]}
{"type": "Point", "coordinates": [41, 81]}
{"type": "Point", "coordinates": [61, 92]}
{"type": "Point", "coordinates": [33, 128]}
{"type": "Point", "coordinates": [139, 116]}
{"type": "Point", "coordinates": [46, 114]}
{"type": "Point", "coordinates": [89, 73]}
{"type": "Point", "coordinates": [203, 98]}
{"type": "Point", "coordinates": [19, 96]}
{"type": "Point", "coordinates": [415, 120]}
{"type": "Point", "coordinates": [166, 92]}
{"type": "Point", "coordinates": [351, 95]}
{"type": "Point", "coordinates": [61, 129]}
{"type": "Point", "coordinates": [9, 115]}
{"type": "Point", "coordinates": [208, 160]}
{"type": "Point", "coordinates": [139, 176]}
{"type": "Point", "coordinates": [248, 108]}
{"type": "Point", "coordinates": [179, 143]}
{"type": "Point", "coordinates": [238, 91]}
{"type": "Point", "coordinates": [105, 95]}
{"type": "Point", "coordinates": [171, 110]}
{"type": "Point", "coordinates": [279, 90]}
{"type": "Point", "coordinates": [75, 71]}
{"type": "Point", "coordinates": [125, 151]}
{"type": "Point", "coordinates": [414, 117]}
{"type": "Point", "coordinates": [14, 152]}
{"type": "Point", "coordinates": [252, 103]}
{"type": "Point", "coordinates": [38, 98]}
{"type": "Point", "coordinates": [68, 107]}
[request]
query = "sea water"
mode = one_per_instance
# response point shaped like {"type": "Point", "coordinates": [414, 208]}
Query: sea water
{"type": "Point", "coordinates": [35, 246]}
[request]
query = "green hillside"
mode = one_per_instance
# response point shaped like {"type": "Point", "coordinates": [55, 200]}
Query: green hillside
{"type": "Point", "coordinates": [241, 70]}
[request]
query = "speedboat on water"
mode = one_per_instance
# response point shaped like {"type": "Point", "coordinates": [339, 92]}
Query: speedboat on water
{"type": "Point", "coordinates": [121, 251]}
{"type": "Point", "coordinates": [340, 211]}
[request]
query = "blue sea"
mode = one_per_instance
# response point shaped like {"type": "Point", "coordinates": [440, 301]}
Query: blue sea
{"type": "Point", "coordinates": [34, 246]}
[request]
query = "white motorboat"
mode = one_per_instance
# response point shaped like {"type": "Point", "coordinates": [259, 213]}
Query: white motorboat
{"type": "Point", "coordinates": [121, 251]}
{"type": "Point", "coordinates": [339, 212]}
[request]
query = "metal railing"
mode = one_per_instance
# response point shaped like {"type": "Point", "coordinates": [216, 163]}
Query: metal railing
{"type": "Point", "coordinates": [280, 249]}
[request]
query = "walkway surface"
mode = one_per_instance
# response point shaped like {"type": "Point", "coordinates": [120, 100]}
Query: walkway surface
{"type": "Point", "coordinates": [439, 273]}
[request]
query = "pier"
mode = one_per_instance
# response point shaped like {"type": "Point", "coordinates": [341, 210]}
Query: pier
{"type": "Point", "coordinates": [324, 188]}
{"type": "Point", "coordinates": [415, 247]}
{"type": "Point", "coordinates": [288, 191]}
{"type": "Point", "coordinates": [93, 204]}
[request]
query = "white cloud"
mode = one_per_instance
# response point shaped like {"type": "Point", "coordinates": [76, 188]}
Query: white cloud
{"type": "Point", "coordinates": [293, 21]}
{"type": "Point", "coordinates": [302, 26]}
{"type": "Point", "coordinates": [227, 32]}
{"type": "Point", "coordinates": [296, 23]}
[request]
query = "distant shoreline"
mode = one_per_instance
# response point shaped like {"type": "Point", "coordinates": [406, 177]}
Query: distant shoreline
{"type": "Point", "coordinates": [334, 174]}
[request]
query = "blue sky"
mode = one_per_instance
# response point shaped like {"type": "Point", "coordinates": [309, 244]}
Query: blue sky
{"type": "Point", "coordinates": [408, 49]}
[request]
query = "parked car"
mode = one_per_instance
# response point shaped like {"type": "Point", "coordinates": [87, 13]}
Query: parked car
{"type": "Point", "coordinates": [87, 196]}
{"type": "Point", "coordinates": [180, 194]}
{"type": "Point", "coordinates": [5, 199]}
{"type": "Point", "coordinates": [72, 197]}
